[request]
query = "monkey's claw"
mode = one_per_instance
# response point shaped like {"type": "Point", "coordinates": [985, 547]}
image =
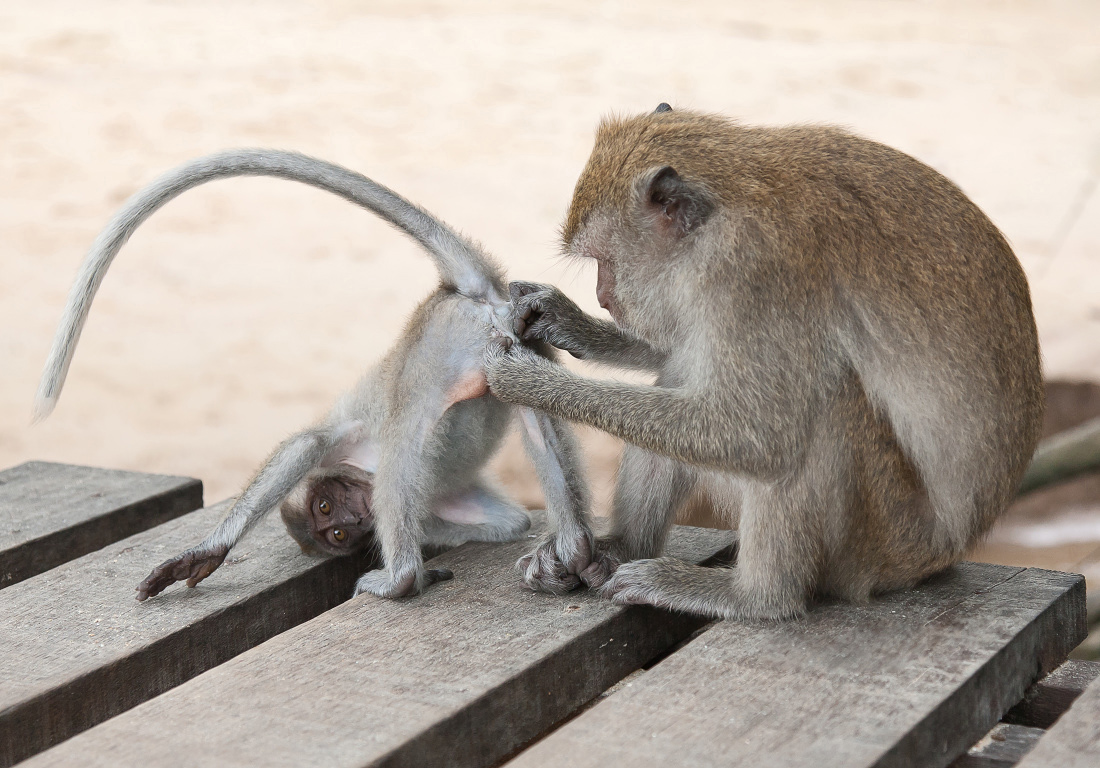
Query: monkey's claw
{"type": "Point", "coordinates": [382, 584]}
{"type": "Point", "coordinates": [192, 565]}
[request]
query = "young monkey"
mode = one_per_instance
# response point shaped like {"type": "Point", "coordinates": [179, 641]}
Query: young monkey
{"type": "Point", "coordinates": [845, 354]}
{"type": "Point", "coordinates": [400, 457]}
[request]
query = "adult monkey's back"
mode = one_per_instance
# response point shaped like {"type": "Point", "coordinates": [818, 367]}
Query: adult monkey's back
{"type": "Point", "coordinates": [462, 266]}
{"type": "Point", "coordinates": [845, 351]}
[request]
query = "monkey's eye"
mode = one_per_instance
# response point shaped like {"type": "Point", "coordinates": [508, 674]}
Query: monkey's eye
{"type": "Point", "coordinates": [324, 507]}
{"type": "Point", "coordinates": [339, 534]}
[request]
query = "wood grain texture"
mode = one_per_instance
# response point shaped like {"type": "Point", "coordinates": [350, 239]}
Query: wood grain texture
{"type": "Point", "coordinates": [1049, 698]}
{"type": "Point", "coordinates": [77, 648]}
{"type": "Point", "coordinates": [912, 679]}
{"type": "Point", "coordinates": [1002, 747]}
{"type": "Point", "coordinates": [52, 513]}
{"type": "Point", "coordinates": [1073, 741]}
{"type": "Point", "coordinates": [459, 676]}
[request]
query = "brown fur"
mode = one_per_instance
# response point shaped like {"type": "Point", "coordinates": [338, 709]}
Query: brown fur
{"type": "Point", "coordinates": [847, 347]}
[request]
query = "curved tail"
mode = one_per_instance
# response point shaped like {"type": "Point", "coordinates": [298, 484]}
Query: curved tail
{"type": "Point", "coordinates": [462, 265]}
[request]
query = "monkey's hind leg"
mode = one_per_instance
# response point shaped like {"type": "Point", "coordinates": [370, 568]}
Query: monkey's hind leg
{"type": "Point", "coordinates": [402, 509]}
{"type": "Point", "coordinates": [479, 513]}
{"type": "Point", "coordinates": [649, 491]}
{"type": "Point", "coordinates": [776, 569]}
{"type": "Point", "coordinates": [557, 561]}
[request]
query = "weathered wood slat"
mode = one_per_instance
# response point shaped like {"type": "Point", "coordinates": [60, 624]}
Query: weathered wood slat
{"type": "Point", "coordinates": [912, 679]}
{"type": "Point", "coordinates": [1049, 698]}
{"type": "Point", "coordinates": [76, 648]}
{"type": "Point", "coordinates": [1073, 741]}
{"type": "Point", "coordinates": [1002, 747]}
{"type": "Point", "coordinates": [459, 676]}
{"type": "Point", "coordinates": [53, 513]}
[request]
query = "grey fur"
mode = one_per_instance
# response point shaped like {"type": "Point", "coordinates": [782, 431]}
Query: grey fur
{"type": "Point", "coordinates": [462, 266]}
{"type": "Point", "coordinates": [848, 361]}
{"type": "Point", "coordinates": [417, 430]}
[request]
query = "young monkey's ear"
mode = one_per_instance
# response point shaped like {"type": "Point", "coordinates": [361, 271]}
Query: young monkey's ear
{"type": "Point", "coordinates": [679, 206]}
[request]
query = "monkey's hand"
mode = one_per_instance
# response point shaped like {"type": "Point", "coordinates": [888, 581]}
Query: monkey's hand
{"type": "Point", "coordinates": [384, 584]}
{"type": "Point", "coordinates": [544, 313]}
{"type": "Point", "coordinates": [194, 565]}
{"type": "Point", "coordinates": [555, 565]}
{"type": "Point", "coordinates": [515, 370]}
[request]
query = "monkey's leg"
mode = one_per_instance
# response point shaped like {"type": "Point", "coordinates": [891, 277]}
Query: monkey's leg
{"type": "Point", "coordinates": [286, 467]}
{"type": "Point", "coordinates": [776, 568]}
{"type": "Point", "coordinates": [556, 562]}
{"type": "Point", "coordinates": [649, 491]}
{"type": "Point", "coordinates": [402, 504]}
{"type": "Point", "coordinates": [480, 513]}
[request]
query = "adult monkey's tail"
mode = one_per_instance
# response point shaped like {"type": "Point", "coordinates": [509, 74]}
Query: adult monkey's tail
{"type": "Point", "coordinates": [463, 266]}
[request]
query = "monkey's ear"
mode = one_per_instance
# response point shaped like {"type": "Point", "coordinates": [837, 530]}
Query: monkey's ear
{"type": "Point", "coordinates": [677, 204]}
{"type": "Point", "coordinates": [663, 107]}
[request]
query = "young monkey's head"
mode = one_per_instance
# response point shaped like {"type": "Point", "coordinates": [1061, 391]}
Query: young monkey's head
{"type": "Point", "coordinates": [330, 512]}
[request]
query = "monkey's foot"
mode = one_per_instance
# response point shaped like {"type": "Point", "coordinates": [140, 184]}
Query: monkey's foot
{"type": "Point", "coordinates": [605, 562]}
{"type": "Point", "coordinates": [555, 565]}
{"type": "Point", "coordinates": [193, 565]}
{"type": "Point", "coordinates": [666, 582]}
{"type": "Point", "coordinates": [383, 584]}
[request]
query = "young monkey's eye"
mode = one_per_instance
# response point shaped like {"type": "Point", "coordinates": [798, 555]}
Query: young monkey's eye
{"type": "Point", "coordinates": [339, 534]}
{"type": "Point", "coordinates": [324, 507]}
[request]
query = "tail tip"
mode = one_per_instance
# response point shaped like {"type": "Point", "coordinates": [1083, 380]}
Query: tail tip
{"type": "Point", "coordinates": [43, 407]}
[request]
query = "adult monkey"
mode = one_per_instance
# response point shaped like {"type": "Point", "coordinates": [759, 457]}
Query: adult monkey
{"type": "Point", "coordinates": [845, 352]}
{"type": "Point", "coordinates": [400, 455]}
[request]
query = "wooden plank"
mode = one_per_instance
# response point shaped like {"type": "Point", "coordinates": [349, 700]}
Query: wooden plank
{"type": "Point", "coordinates": [53, 513]}
{"type": "Point", "coordinates": [1049, 698]}
{"type": "Point", "coordinates": [911, 679]}
{"type": "Point", "coordinates": [459, 676]}
{"type": "Point", "coordinates": [1002, 747]}
{"type": "Point", "coordinates": [1073, 741]}
{"type": "Point", "coordinates": [77, 648]}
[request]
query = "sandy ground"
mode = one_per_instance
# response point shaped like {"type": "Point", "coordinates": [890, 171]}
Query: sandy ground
{"type": "Point", "coordinates": [239, 312]}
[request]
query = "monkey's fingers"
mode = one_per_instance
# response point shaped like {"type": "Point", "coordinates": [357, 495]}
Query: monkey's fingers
{"type": "Point", "coordinates": [519, 288]}
{"type": "Point", "coordinates": [157, 581]}
{"type": "Point", "coordinates": [190, 566]}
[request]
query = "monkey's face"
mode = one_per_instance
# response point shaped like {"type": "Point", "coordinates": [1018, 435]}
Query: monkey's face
{"type": "Point", "coordinates": [633, 272]}
{"type": "Point", "coordinates": [338, 512]}
{"type": "Point", "coordinates": [647, 252]}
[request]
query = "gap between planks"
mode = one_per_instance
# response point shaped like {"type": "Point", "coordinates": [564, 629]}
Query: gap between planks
{"type": "Point", "coordinates": [52, 513]}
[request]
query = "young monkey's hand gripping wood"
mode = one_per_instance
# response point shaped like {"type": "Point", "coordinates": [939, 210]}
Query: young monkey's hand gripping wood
{"type": "Point", "coordinates": [848, 361]}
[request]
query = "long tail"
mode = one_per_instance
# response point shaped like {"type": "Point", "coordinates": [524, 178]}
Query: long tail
{"type": "Point", "coordinates": [462, 265]}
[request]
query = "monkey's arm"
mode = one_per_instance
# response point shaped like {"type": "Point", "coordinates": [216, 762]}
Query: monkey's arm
{"type": "Point", "coordinates": [286, 467]}
{"type": "Point", "coordinates": [679, 423]}
{"type": "Point", "coordinates": [543, 312]}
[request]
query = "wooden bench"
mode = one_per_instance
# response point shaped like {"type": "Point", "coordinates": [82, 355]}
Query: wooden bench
{"type": "Point", "coordinates": [269, 663]}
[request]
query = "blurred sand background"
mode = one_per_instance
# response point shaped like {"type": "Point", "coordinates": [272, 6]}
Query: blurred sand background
{"type": "Point", "coordinates": [238, 313]}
